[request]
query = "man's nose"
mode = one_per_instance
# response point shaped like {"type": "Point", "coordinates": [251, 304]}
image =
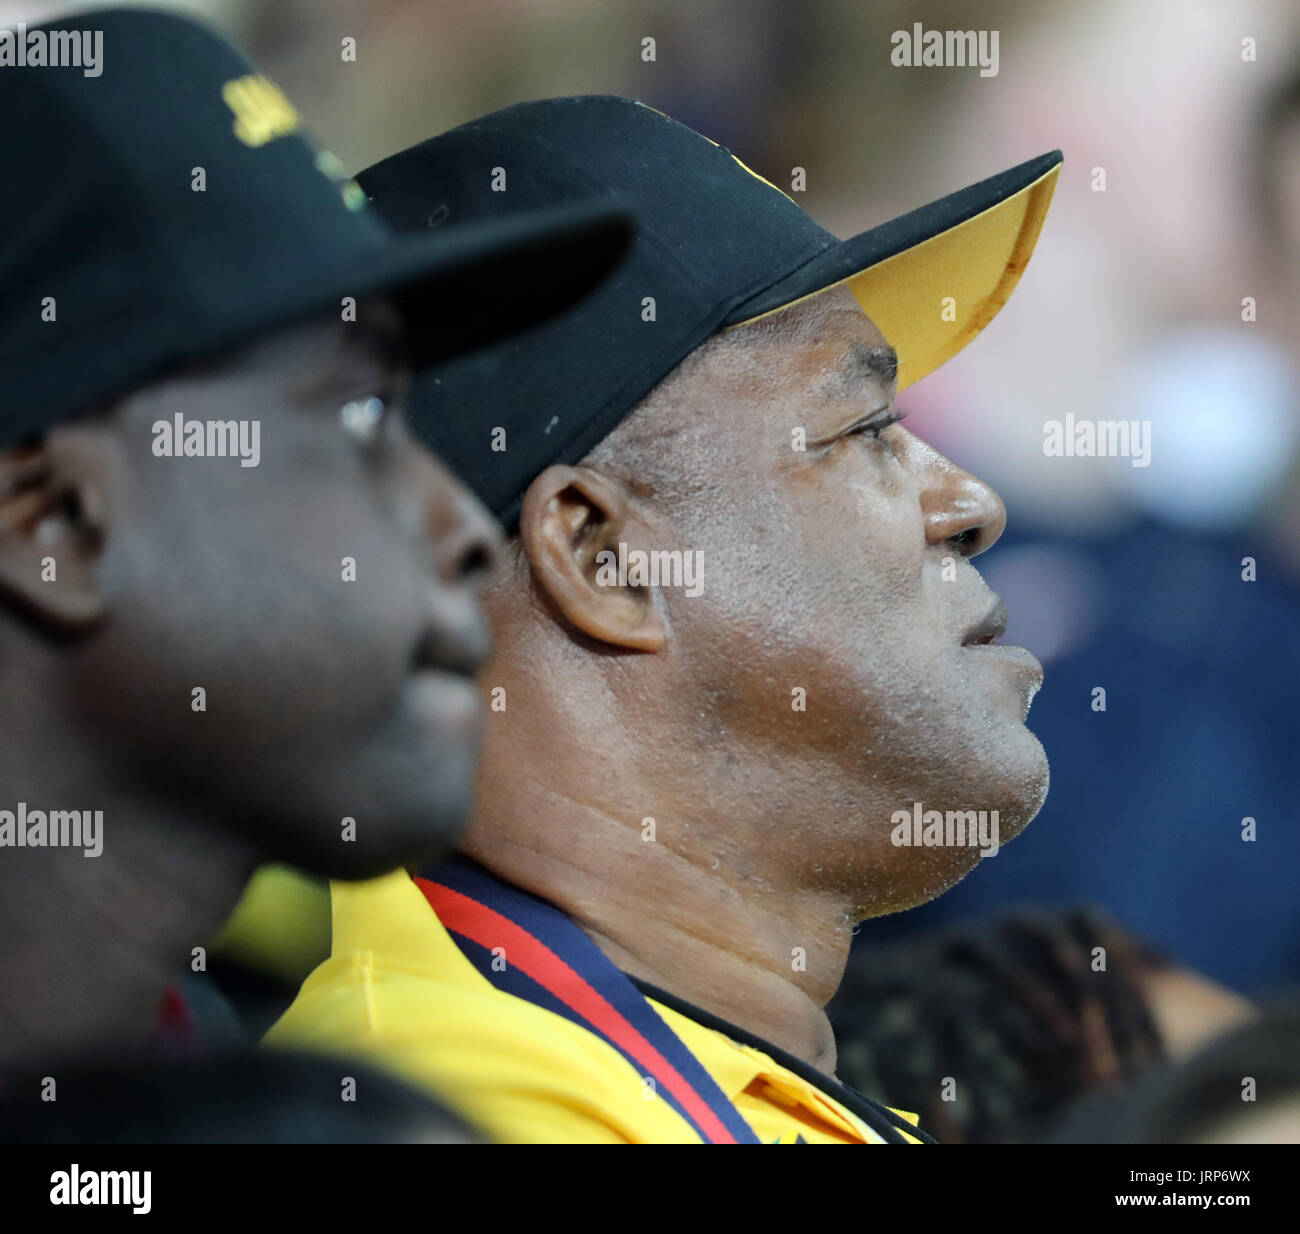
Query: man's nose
{"type": "Point", "coordinates": [466, 538]}
{"type": "Point", "coordinates": [961, 512]}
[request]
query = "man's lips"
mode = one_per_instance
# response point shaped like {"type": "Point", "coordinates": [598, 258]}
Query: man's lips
{"type": "Point", "coordinates": [983, 637]}
{"type": "Point", "coordinates": [461, 648]}
{"type": "Point", "coordinates": [991, 627]}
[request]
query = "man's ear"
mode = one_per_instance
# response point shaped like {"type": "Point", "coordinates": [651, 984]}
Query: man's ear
{"type": "Point", "coordinates": [570, 516]}
{"type": "Point", "coordinates": [52, 530]}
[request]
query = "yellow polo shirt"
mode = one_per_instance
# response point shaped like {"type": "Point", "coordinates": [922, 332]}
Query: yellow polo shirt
{"type": "Point", "coordinates": [398, 991]}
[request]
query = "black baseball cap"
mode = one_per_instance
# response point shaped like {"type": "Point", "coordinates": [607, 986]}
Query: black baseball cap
{"type": "Point", "coordinates": [161, 203]}
{"type": "Point", "coordinates": [717, 246]}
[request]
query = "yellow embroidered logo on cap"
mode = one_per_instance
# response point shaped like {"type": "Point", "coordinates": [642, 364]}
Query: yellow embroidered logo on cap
{"type": "Point", "coordinates": [262, 113]}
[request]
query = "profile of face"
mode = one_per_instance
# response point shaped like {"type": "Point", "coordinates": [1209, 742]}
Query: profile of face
{"type": "Point", "coordinates": [838, 662]}
{"type": "Point", "coordinates": [288, 645]}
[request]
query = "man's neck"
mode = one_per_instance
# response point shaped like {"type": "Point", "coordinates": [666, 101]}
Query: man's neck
{"type": "Point", "coordinates": [763, 957]}
{"type": "Point", "coordinates": [89, 944]}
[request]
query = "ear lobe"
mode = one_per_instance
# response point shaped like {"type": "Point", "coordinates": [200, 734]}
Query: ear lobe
{"type": "Point", "coordinates": [51, 536]}
{"type": "Point", "coordinates": [570, 516]}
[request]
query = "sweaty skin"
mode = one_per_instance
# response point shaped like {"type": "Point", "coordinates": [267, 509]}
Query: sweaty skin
{"type": "Point", "coordinates": [325, 699]}
{"type": "Point", "coordinates": [843, 570]}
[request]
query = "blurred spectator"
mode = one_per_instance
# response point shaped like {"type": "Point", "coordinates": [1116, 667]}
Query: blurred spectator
{"type": "Point", "coordinates": [1242, 1089]}
{"type": "Point", "coordinates": [991, 1032]}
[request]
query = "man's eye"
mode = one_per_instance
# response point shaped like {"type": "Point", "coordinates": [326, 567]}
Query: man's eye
{"type": "Point", "coordinates": [874, 427]}
{"type": "Point", "coordinates": [363, 417]}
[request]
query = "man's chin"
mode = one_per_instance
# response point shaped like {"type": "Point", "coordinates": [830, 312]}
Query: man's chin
{"type": "Point", "coordinates": [939, 841]}
{"type": "Point", "coordinates": [425, 830]}
{"type": "Point", "coordinates": [409, 819]}
{"type": "Point", "coordinates": [1030, 790]}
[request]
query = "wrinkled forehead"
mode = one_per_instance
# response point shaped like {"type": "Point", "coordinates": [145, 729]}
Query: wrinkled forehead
{"type": "Point", "coordinates": [823, 345]}
{"type": "Point", "coordinates": [730, 409]}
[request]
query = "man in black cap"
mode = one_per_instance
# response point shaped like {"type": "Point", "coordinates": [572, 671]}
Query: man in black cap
{"type": "Point", "coordinates": [747, 688]}
{"type": "Point", "coordinates": [238, 606]}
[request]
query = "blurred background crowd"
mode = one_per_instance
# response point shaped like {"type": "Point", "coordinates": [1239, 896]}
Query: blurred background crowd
{"type": "Point", "coordinates": [1166, 289]}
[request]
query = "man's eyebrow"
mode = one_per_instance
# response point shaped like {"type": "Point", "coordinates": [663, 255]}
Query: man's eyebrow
{"type": "Point", "coordinates": [373, 349]}
{"type": "Point", "coordinates": [385, 330]}
{"type": "Point", "coordinates": [861, 361]}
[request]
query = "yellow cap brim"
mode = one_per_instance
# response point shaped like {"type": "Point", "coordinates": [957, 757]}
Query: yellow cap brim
{"type": "Point", "coordinates": [933, 297]}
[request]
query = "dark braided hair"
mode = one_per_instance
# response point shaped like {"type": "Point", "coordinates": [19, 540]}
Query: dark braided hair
{"type": "Point", "coordinates": [991, 1031]}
